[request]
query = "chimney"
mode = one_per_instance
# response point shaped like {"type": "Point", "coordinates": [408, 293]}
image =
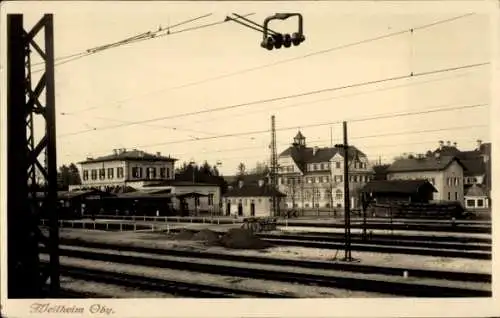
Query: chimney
{"type": "Point", "coordinates": [479, 143]}
{"type": "Point", "coordinates": [158, 154]}
{"type": "Point", "coordinates": [261, 183]}
{"type": "Point", "coordinates": [240, 184]}
{"type": "Point", "coordinates": [315, 150]}
{"type": "Point", "coordinates": [441, 143]}
{"type": "Point", "coordinates": [455, 144]}
{"type": "Point", "coordinates": [448, 143]}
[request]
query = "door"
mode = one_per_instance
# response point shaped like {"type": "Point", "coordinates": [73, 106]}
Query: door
{"type": "Point", "coordinates": [252, 209]}
{"type": "Point", "coordinates": [228, 208]}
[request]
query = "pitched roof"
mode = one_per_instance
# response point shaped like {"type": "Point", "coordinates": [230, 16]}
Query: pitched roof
{"type": "Point", "coordinates": [304, 155]}
{"type": "Point", "coordinates": [136, 155]}
{"type": "Point", "coordinates": [474, 166]}
{"type": "Point", "coordinates": [397, 186]}
{"type": "Point", "coordinates": [247, 178]}
{"type": "Point", "coordinates": [422, 164]}
{"type": "Point", "coordinates": [253, 190]}
{"type": "Point", "coordinates": [475, 191]}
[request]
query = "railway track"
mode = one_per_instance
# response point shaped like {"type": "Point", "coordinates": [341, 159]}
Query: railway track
{"type": "Point", "coordinates": [426, 243]}
{"type": "Point", "coordinates": [392, 245]}
{"type": "Point", "coordinates": [458, 228]}
{"type": "Point", "coordinates": [377, 283]}
{"type": "Point", "coordinates": [400, 237]}
{"type": "Point", "coordinates": [176, 288]}
{"type": "Point", "coordinates": [349, 267]}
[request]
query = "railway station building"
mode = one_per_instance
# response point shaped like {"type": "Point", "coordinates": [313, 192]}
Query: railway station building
{"type": "Point", "coordinates": [147, 177]}
{"type": "Point", "coordinates": [312, 177]}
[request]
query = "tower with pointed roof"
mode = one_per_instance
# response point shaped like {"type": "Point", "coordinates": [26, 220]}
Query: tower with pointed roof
{"type": "Point", "coordinates": [299, 140]}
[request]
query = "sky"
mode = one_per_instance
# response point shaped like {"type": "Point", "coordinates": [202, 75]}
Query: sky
{"type": "Point", "coordinates": [188, 72]}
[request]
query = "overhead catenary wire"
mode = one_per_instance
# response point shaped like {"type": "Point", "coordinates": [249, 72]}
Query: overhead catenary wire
{"type": "Point", "coordinates": [291, 96]}
{"type": "Point", "coordinates": [360, 119]}
{"type": "Point", "coordinates": [248, 70]}
{"type": "Point", "coordinates": [246, 113]}
{"type": "Point", "coordinates": [265, 147]}
{"type": "Point", "coordinates": [138, 38]}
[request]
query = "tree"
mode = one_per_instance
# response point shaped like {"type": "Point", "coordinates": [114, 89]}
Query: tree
{"type": "Point", "coordinates": [260, 168]}
{"type": "Point", "coordinates": [241, 169]}
{"type": "Point", "coordinates": [68, 175]}
{"type": "Point", "coordinates": [380, 171]}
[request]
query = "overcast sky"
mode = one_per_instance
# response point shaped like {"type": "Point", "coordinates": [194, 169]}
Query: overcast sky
{"type": "Point", "coordinates": [141, 81]}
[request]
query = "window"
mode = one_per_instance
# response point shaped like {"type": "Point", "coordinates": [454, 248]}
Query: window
{"type": "Point", "coordinates": [322, 166]}
{"type": "Point", "coordinates": [317, 195]}
{"type": "Point", "coordinates": [470, 203]}
{"type": "Point", "coordinates": [327, 179]}
{"type": "Point", "coordinates": [119, 172]}
{"type": "Point", "coordinates": [168, 173]}
{"type": "Point", "coordinates": [102, 173]}
{"type": "Point", "coordinates": [338, 195]}
{"type": "Point", "coordinates": [111, 173]}
{"type": "Point", "coordinates": [136, 172]}
{"type": "Point", "coordinates": [93, 174]}
{"type": "Point", "coordinates": [315, 167]}
{"type": "Point", "coordinates": [456, 196]}
{"type": "Point", "coordinates": [328, 194]}
{"type": "Point", "coordinates": [151, 173]}
{"type": "Point", "coordinates": [449, 195]}
{"type": "Point", "coordinates": [162, 173]}
{"type": "Point", "coordinates": [307, 195]}
{"type": "Point", "coordinates": [480, 203]}
{"type": "Point", "coordinates": [337, 165]}
{"type": "Point", "coordinates": [85, 174]}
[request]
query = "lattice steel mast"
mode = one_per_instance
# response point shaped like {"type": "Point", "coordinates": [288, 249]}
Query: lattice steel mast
{"type": "Point", "coordinates": [26, 277]}
{"type": "Point", "coordinates": [274, 169]}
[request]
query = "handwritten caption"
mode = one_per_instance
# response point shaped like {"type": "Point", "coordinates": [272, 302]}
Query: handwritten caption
{"type": "Point", "coordinates": [42, 308]}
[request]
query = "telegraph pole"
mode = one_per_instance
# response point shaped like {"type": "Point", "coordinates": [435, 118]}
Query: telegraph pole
{"type": "Point", "coordinates": [347, 202]}
{"type": "Point", "coordinates": [274, 169]}
{"type": "Point", "coordinates": [26, 277]}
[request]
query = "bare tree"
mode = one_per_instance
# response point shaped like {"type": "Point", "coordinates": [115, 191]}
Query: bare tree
{"type": "Point", "coordinates": [241, 169]}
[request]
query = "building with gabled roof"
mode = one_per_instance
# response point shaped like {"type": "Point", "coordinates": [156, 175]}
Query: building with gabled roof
{"type": "Point", "coordinates": [127, 171]}
{"type": "Point", "coordinates": [312, 177]}
{"type": "Point", "coordinates": [251, 199]}
{"type": "Point", "coordinates": [445, 173]}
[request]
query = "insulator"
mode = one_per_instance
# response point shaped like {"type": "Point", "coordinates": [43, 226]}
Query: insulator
{"type": "Point", "coordinates": [287, 41]}
{"type": "Point", "coordinates": [278, 40]}
{"type": "Point", "coordinates": [298, 38]}
{"type": "Point", "coordinates": [270, 43]}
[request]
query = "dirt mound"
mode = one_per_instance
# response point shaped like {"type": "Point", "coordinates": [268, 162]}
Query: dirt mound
{"type": "Point", "coordinates": [243, 239]}
{"type": "Point", "coordinates": [185, 234]}
{"type": "Point", "coordinates": [207, 236]}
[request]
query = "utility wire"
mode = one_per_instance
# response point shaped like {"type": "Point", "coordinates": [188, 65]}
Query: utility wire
{"type": "Point", "coordinates": [370, 146]}
{"type": "Point", "coordinates": [378, 117]}
{"type": "Point", "coordinates": [336, 97]}
{"type": "Point", "coordinates": [141, 37]}
{"type": "Point", "coordinates": [356, 138]}
{"type": "Point", "coordinates": [248, 70]}
{"type": "Point", "coordinates": [262, 101]}
{"type": "Point", "coordinates": [232, 116]}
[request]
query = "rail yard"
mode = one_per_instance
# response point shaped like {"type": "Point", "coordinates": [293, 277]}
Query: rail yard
{"type": "Point", "coordinates": [206, 257]}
